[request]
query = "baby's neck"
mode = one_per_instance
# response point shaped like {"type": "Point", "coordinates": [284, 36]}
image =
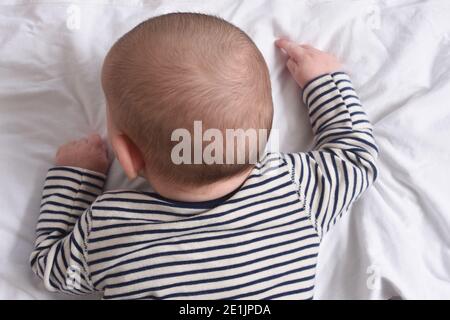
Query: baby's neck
{"type": "Point", "coordinates": [208, 192]}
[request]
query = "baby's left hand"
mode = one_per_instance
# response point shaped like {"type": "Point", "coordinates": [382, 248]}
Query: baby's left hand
{"type": "Point", "coordinates": [306, 63]}
{"type": "Point", "coordinates": [89, 153]}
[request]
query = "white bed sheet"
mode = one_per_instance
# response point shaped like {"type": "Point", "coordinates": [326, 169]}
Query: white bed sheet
{"type": "Point", "coordinates": [396, 240]}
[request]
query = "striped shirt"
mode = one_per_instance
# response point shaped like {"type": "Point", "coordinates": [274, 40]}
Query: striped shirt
{"type": "Point", "coordinates": [259, 242]}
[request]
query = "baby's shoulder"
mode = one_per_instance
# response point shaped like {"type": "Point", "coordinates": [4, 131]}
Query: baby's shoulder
{"type": "Point", "coordinates": [271, 164]}
{"type": "Point", "coordinates": [137, 207]}
{"type": "Point", "coordinates": [126, 202]}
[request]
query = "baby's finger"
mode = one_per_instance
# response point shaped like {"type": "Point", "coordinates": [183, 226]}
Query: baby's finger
{"type": "Point", "coordinates": [104, 145]}
{"type": "Point", "coordinates": [292, 49]}
{"type": "Point", "coordinates": [308, 47]}
{"type": "Point", "coordinates": [70, 143]}
{"type": "Point", "coordinates": [81, 141]}
{"type": "Point", "coordinates": [95, 139]}
{"type": "Point", "coordinates": [291, 65]}
{"type": "Point", "coordinates": [106, 155]}
{"type": "Point", "coordinates": [104, 149]}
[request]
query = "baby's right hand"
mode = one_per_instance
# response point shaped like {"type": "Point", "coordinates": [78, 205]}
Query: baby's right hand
{"type": "Point", "coordinates": [88, 153]}
{"type": "Point", "coordinates": [307, 63]}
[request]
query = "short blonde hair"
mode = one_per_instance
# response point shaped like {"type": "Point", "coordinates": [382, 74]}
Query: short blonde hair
{"type": "Point", "coordinates": [174, 69]}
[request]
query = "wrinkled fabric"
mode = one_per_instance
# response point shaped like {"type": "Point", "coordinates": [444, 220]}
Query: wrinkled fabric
{"type": "Point", "coordinates": [394, 243]}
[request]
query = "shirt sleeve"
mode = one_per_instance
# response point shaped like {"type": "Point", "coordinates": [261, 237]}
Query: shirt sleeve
{"type": "Point", "coordinates": [60, 255]}
{"type": "Point", "coordinates": [342, 164]}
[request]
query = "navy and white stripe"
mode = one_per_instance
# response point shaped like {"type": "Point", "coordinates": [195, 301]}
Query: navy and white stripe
{"type": "Point", "coordinates": [342, 165]}
{"type": "Point", "coordinates": [261, 242]}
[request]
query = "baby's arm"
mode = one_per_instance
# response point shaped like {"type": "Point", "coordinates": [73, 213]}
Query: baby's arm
{"type": "Point", "coordinates": [342, 164]}
{"type": "Point", "coordinates": [59, 256]}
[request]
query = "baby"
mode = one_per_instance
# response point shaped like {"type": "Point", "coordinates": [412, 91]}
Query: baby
{"type": "Point", "coordinates": [218, 229]}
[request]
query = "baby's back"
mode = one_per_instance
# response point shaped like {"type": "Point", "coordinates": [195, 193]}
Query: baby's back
{"type": "Point", "coordinates": [257, 243]}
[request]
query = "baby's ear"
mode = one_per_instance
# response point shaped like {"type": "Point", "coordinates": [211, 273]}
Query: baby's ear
{"type": "Point", "coordinates": [128, 154]}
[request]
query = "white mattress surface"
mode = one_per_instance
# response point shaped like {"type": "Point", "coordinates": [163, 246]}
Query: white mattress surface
{"type": "Point", "coordinates": [395, 241]}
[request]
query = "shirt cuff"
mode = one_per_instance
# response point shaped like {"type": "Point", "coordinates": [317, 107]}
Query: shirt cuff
{"type": "Point", "coordinates": [321, 84]}
{"type": "Point", "coordinates": [76, 180]}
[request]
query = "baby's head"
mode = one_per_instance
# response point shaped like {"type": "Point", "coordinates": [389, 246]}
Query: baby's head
{"type": "Point", "coordinates": [171, 71]}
